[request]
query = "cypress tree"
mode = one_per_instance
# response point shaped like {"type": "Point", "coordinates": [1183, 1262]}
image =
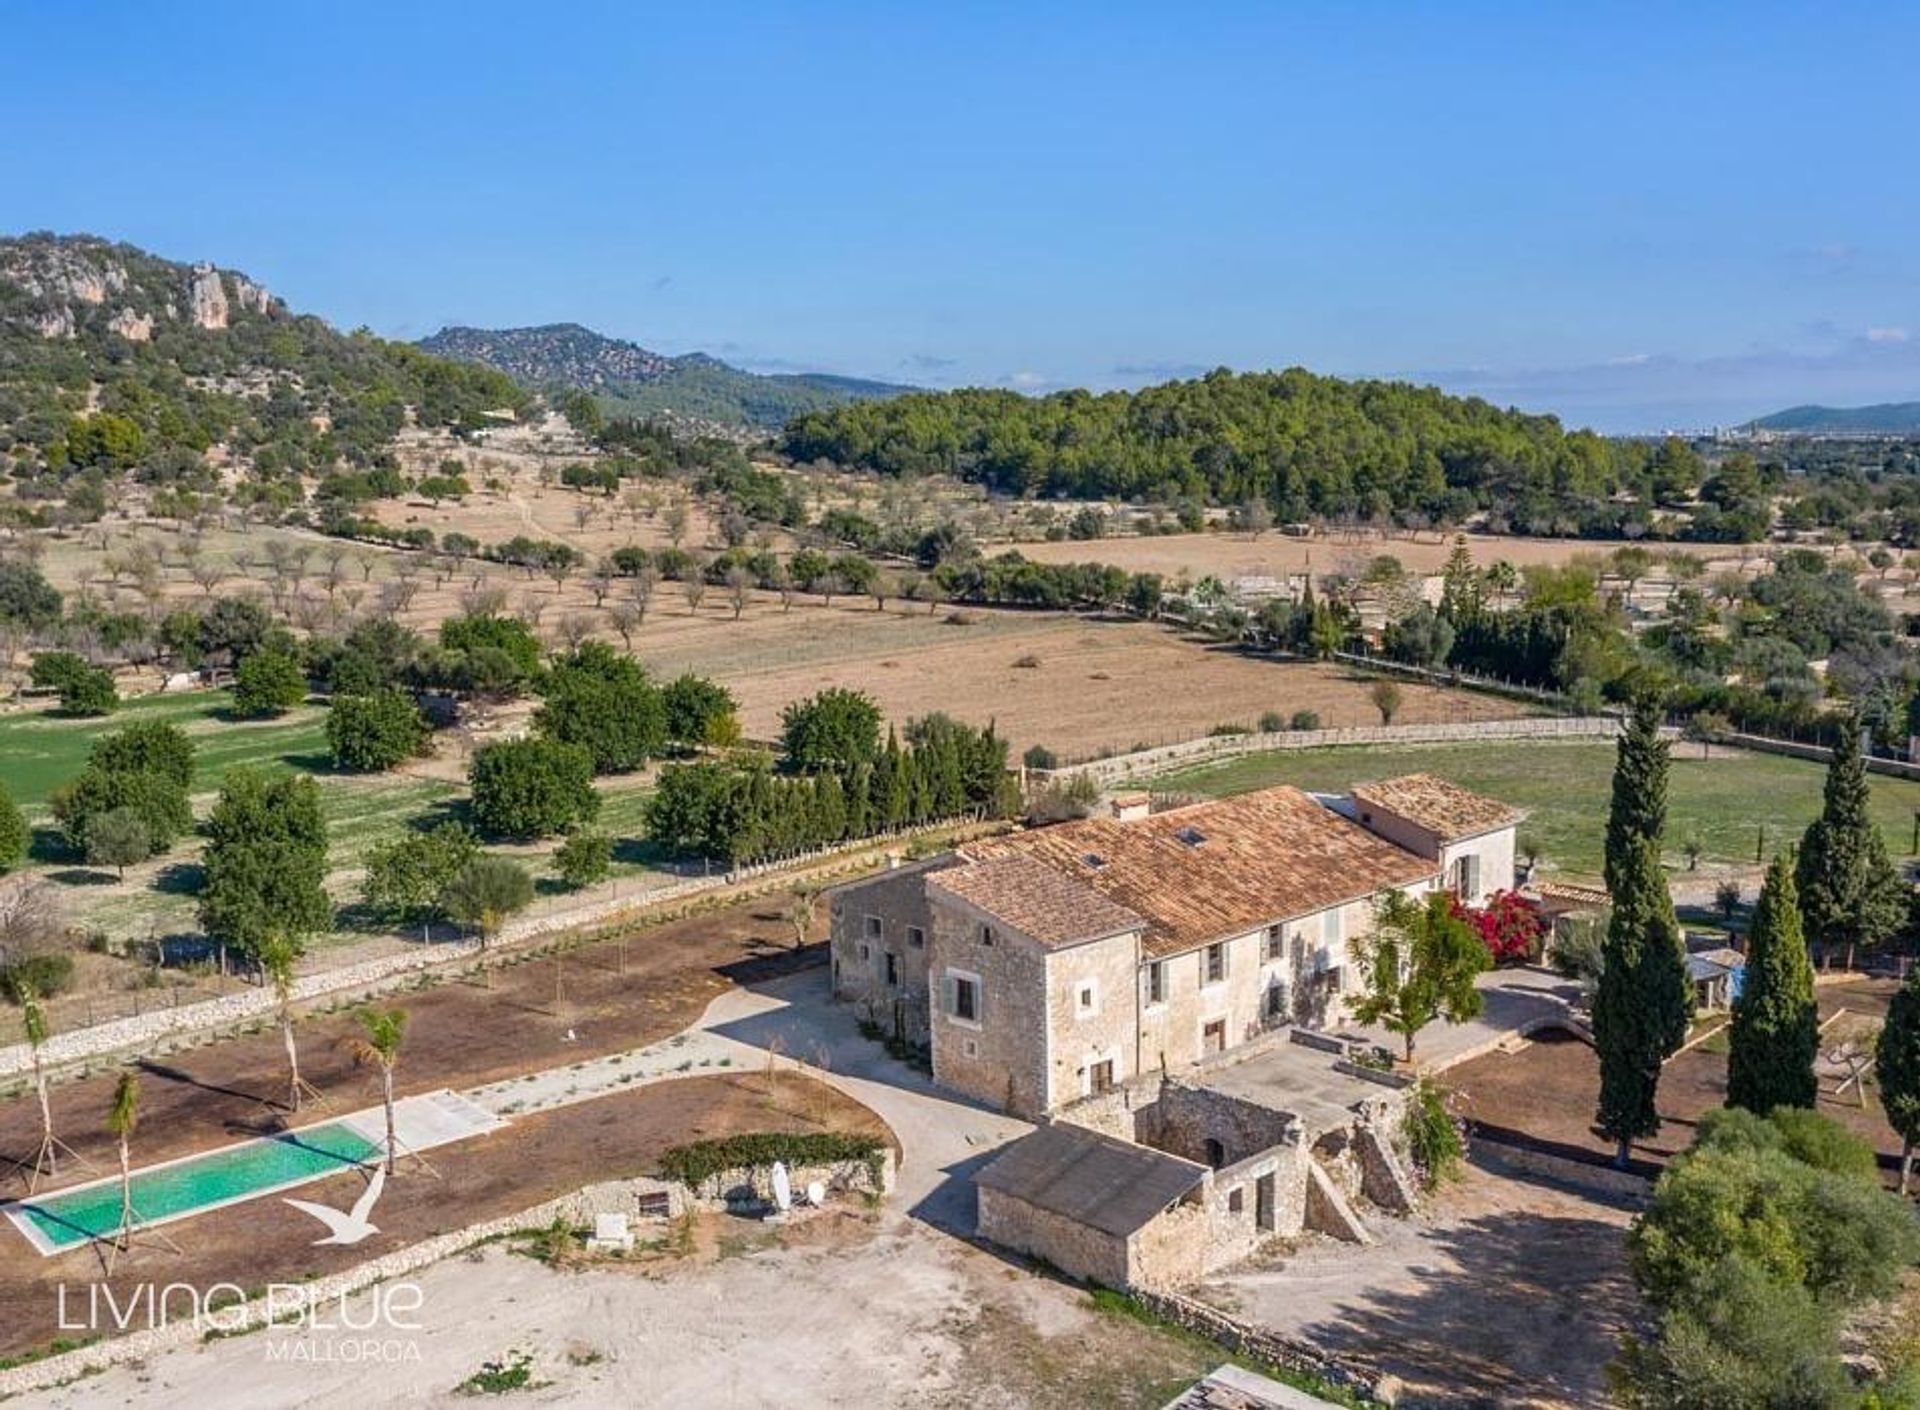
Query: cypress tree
{"type": "Point", "coordinates": [1776, 1028]}
{"type": "Point", "coordinates": [1896, 1067]}
{"type": "Point", "coordinates": [1644, 1003]}
{"type": "Point", "coordinates": [1639, 805]}
{"type": "Point", "coordinates": [1850, 895]}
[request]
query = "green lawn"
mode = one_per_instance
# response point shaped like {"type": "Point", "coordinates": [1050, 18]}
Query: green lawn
{"type": "Point", "coordinates": [1725, 800]}
{"type": "Point", "coordinates": [40, 750]}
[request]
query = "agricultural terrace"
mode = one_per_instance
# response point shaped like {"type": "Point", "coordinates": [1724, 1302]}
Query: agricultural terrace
{"type": "Point", "coordinates": [1724, 800]}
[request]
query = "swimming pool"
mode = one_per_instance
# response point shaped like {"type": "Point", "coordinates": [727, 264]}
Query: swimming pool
{"type": "Point", "coordinates": [195, 1184]}
{"type": "Point", "coordinates": [191, 1186]}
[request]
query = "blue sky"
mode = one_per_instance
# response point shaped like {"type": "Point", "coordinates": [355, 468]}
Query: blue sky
{"type": "Point", "coordinates": [1633, 216]}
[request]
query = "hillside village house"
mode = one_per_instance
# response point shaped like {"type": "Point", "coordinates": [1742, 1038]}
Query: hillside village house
{"type": "Point", "coordinates": [1047, 967]}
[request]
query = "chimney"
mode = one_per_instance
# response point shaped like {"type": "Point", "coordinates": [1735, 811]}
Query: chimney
{"type": "Point", "coordinates": [1130, 807]}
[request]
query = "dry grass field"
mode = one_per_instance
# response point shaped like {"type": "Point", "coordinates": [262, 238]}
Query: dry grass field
{"type": "Point", "coordinates": [1232, 555]}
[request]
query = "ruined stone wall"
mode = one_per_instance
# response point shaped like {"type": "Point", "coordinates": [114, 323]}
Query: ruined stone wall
{"type": "Point", "coordinates": [1186, 1117]}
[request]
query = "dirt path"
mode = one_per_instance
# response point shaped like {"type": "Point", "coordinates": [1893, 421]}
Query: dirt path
{"type": "Point", "coordinates": [866, 1310]}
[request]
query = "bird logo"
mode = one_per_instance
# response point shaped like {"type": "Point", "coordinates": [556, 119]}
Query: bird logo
{"type": "Point", "coordinates": [352, 1226]}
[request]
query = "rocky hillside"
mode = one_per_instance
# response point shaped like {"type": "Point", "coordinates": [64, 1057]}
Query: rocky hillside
{"type": "Point", "coordinates": [630, 380]}
{"type": "Point", "coordinates": [188, 377]}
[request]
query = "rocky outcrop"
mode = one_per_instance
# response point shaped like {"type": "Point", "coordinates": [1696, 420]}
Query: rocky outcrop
{"type": "Point", "coordinates": [207, 298]}
{"type": "Point", "coordinates": [134, 327]}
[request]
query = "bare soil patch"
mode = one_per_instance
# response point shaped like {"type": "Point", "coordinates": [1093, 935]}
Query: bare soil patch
{"type": "Point", "coordinates": [1499, 1293]}
{"type": "Point", "coordinates": [536, 1158]}
{"type": "Point", "coordinates": [1548, 1090]}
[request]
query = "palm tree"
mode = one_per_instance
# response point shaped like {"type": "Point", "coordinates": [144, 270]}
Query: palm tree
{"type": "Point", "coordinates": [277, 954]}
{"type": "Point", "coordinates": [33, 1018]}
{"type": "Point", "coordinates": [382, 1033]}
{"type": "Point", "coordinates": [122, 1120]}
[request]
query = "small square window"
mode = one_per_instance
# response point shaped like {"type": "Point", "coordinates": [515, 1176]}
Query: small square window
{"type": "Point", "coordinates": [1276, 941]}
{"type": "Point", "coordinates": [1236, 1200]}
{"type": "Point", "coordinates": [916, 937]}
{"type": "Point", "coordinates": [1086, 998]}
{"type": "Point", "coordinates": [875, 927]}
{"type": "Point", "coordinates": [986, 935]}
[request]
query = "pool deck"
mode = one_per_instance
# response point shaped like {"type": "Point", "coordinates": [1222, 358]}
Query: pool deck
{"type": "Point", "coordinates": [421, 1122]}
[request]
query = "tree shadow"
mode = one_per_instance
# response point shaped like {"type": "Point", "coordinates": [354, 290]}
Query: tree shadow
{"type": "Point", "coordinates": [640, 852]}
{"type": "Point", "coordinates": [442, 811]}
{"type": "Point", "coordinates": [49, 847]}
{"type": "Point", "coordinates": [1504, 1308]}
{"type": "Point", "coordinates": [312, 763]}
{"type": "Point", "coordinates": [180, 879]}
{"type": "Point", "coordinates": [83, 876]}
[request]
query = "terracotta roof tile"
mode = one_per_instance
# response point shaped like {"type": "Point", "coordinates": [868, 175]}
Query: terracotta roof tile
{"type": "Point", "coordinates": [1037, 900]}
{"type": "Point", "coordinates": [1215, 869]}
{"type": "Point", "coordinates": [1445, 809]}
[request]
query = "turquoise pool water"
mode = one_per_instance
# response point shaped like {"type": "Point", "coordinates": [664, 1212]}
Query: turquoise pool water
{"type": "Point", "coordinates": [199, 1182]}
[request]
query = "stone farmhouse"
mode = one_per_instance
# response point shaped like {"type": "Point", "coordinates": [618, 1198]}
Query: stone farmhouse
{"type": "Point", "coordinates": [1164, 990]}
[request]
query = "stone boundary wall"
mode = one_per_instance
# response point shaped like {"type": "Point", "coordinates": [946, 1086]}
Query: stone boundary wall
{"type": "Point", "coordinates": [1819, 753]}
{"type": "Point", "coordinates": [1211, 748]}
{"type": "Point", "coordinates": [141, 1032]}
{"type": "Point", "coordinates": [1216, 1326]}
{"type": "Point", "coordinates": [576, 1209]}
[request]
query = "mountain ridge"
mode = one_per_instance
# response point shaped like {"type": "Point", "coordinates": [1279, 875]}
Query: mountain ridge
{"type": "Point", "coordinates": [629, 379]}
{"type": "Point", "coordinates": [1887, 418]}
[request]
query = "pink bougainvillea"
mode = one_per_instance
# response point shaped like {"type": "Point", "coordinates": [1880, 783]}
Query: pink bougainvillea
{"type": "Point", "coordinates": [1509, 924]}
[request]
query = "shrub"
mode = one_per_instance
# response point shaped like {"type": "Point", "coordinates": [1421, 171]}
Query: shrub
{"type": "Point", "coordinates": [696, 708]}
{"type": "Point", "coordinates": [1304, 720]}
{"type": "Point", "coordinates": [526, 788]}
{"type": "Point", "coordinates": [1228, 730]}
{"type": "Point", "coordinates": [1510, 925]}
{"type": "Point", "coordinates": [14, 832]}
{"type": "Point", "coordinates": [84, 689]}
{"type": "Point", "coordinates": [584, 858]}
{"type": "Point", "coordinates": [1272, 722]}
{"type": "Point", "coordinates": [698, 1161]}
{"type": "Point", "coordinates": [372, 733]}
{"type": "Point", "coordinates": [46, 974]}
{"type": "Point", "coordinates": [1038, 756]}
{"type": "Point", "coordinates": [1433, 1135]}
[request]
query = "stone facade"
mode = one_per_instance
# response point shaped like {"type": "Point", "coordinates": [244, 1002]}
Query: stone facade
{"type": "Point", "coordinates": [879, 932]}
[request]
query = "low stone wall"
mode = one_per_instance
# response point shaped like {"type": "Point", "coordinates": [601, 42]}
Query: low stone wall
{"type": "Point", "coordinates": [142, 1032]}
{"type": "Point", "coordinates": [753, 1185]}
{"type": "Point", "coordinates": [1258, 1342]}
{"type": "Point", "coordinates": [1121, 767]}
{"type": "Point", "coordinates": [576, 1210]}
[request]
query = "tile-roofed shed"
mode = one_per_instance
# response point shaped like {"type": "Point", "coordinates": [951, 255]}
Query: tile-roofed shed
{"type": "Point", "coordinates": [1444, 809]}
{"type": "Point", "coordinates": [1209, 870]}
{"type": "Point", "coordinates": [1049, 908]}
{"type": "Point", "coordinates": [1107, 1184]}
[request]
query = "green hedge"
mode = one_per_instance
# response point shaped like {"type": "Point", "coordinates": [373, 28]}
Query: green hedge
{"type": "Point", "coordinates": [693, 1163]}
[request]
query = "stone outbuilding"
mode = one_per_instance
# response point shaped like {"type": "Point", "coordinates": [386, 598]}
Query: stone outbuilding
{"type": "Point", "coordinates": [1104, 1210]}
